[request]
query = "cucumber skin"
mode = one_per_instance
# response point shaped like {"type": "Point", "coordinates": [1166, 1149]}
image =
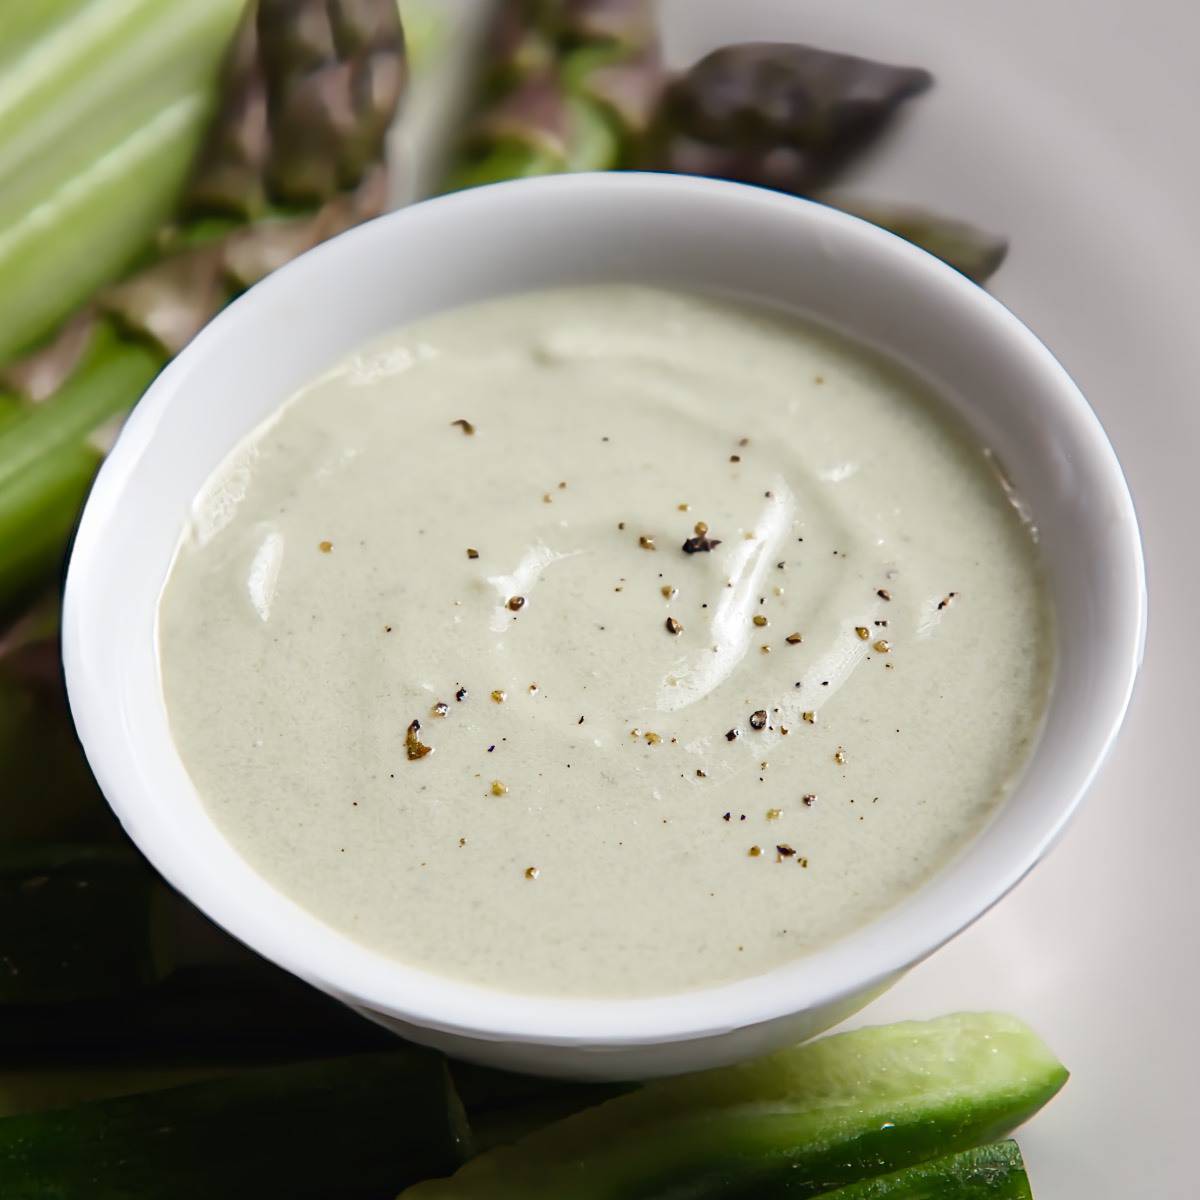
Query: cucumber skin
{"type": "Point", "coordinates": [994, 1172]}
{"type": "Point", "coordinates": [898, 1150]}
{"type": "Point", "coordinates": [254, 1014]}
{"type": "Point", "coordinates": [75, 924]}
{"type": "Point", "coordinates": [796, 1124]}
{"type": "Point", "coordinates": [355, 1128]}
{"type": "Point", "coordinates": [746, 1154]}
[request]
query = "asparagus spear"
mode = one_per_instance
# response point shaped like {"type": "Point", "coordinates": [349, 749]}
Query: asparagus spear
{"type": "Point", "coordinates": [567, 85]}
{"type": "Point", "coordinates": [975, 252]}
{"type": "Point", "coordinates": [789, 117]}
{"type": "Point", "coordinates": [356, 1128]}
{"type": "Point", "coordinates": [778, 114]}
{"type": "Point", "coordinates": [292, 158]}
{"type": "Point", "coordinates": [783, 116]}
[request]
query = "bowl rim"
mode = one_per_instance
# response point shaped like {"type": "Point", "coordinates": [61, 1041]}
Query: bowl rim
{"type": "Point", "coordinates": [335, 963]}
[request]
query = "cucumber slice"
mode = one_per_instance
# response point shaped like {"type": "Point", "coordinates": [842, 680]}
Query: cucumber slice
{"type": "Point", "coordinates": [993, 1172]}
{"type": "Point", "coordinates": [798, 1123]}
{"type": "Point", "coordinates": [356, 1128]}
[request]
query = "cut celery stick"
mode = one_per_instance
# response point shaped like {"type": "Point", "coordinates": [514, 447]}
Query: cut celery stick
{"type": "Point", "coordinates": [101, 116]}
{"type": "Point", "coordinates": [22, 23]}
{"type": "Point", "coordinates": [88, 231]}
{"type": "Point", "coordinates": [105, 58]}
{"type": "Point", "coordinates": [114, 372]}
{"type": "Point", "coordinates": [47, 463]}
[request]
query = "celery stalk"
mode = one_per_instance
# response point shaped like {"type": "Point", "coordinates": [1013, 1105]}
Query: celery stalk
{"type": "Point", "coordinates": [101, 123]}
{"type": "Point", "coordinates": [86, 233]}
{"type": "Point", "coordinates": [103, 57]}
{"type": "Point", "coordinates": [38, 512]}
{"type": "Point", "coordinates": [23, 23]}
{"type": "Point", "coordinates": [113, 370]}
{"type": "Point", "coordinates": [47, 462]}
{"type": "Point", "coordinates": [100, 119]}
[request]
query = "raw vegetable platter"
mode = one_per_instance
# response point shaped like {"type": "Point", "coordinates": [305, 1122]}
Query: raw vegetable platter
{"type": "Point", "coordinates": [142, 202]}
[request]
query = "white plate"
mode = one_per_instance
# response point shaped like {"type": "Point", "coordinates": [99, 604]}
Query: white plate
{"type": "Point", "coordinates": [1071, 126]}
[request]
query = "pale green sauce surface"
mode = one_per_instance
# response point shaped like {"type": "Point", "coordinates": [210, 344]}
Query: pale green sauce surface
{"type": "Point", "coordinates": [324, 598]}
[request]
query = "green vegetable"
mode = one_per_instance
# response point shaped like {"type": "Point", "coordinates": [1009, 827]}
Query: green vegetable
{"type": "Point", "coordinates": [580, 86]}
{"type": "Point", "coordinates": [49, 454]}
{"type": "Point", "coordinates": [291, 158]}
{"type": "Point", "coordinates": [22, 24]}
{"type": "Point", "coordinates": [309, 92]}
{"type": "Point", "coordinates": [782, 115]}
{"type": "Point", "coordinates": [974, 252]}
{"type": "Point", "coordinates": [101, 115]}
{"type": "Point", "coordinates": [504, 1107]}
{"type": "Point", "coordinates": [993, 1172]}
{"type": "Point", "coordinates": [512, 1122]}
{"type": "Point", "coordinates": [797, 1123]}
{"type": "Point", "coordinates": [790, 117]}
{"type": "Point", "coordinates": [36, 1088]}
{"type": "Point", "coordinates": [567, 85]}
{"type": "Point", "coordinates": [425, 31]}
{"type": "Point", "coordinates": [244, 1015]}
{"type": "Point", "coordinates": [356, 1128]}
{"type": "Point", "coordinates": [76, 923]}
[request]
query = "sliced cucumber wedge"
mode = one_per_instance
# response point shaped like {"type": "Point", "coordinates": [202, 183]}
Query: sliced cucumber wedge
{"type": "Point", "coordinates": [993, 1172]}
{"type": "Point", "coordinates": [76, 924]}
{"type": "Point", "coordinates": [797, 1123]}
{"type": "Point", "coordinates": [356, 1128]}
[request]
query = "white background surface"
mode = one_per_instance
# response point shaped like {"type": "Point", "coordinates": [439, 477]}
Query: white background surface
{"type": "Point", "coordinates": [1071, 125]}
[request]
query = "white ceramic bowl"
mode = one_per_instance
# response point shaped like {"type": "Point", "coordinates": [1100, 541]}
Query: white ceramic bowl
{"type": "Point", "coordinates": [537, 233]}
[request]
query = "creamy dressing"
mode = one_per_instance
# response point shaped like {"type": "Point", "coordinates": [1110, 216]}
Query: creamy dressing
{"type": "Point", "coordinates": [656, 770]}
